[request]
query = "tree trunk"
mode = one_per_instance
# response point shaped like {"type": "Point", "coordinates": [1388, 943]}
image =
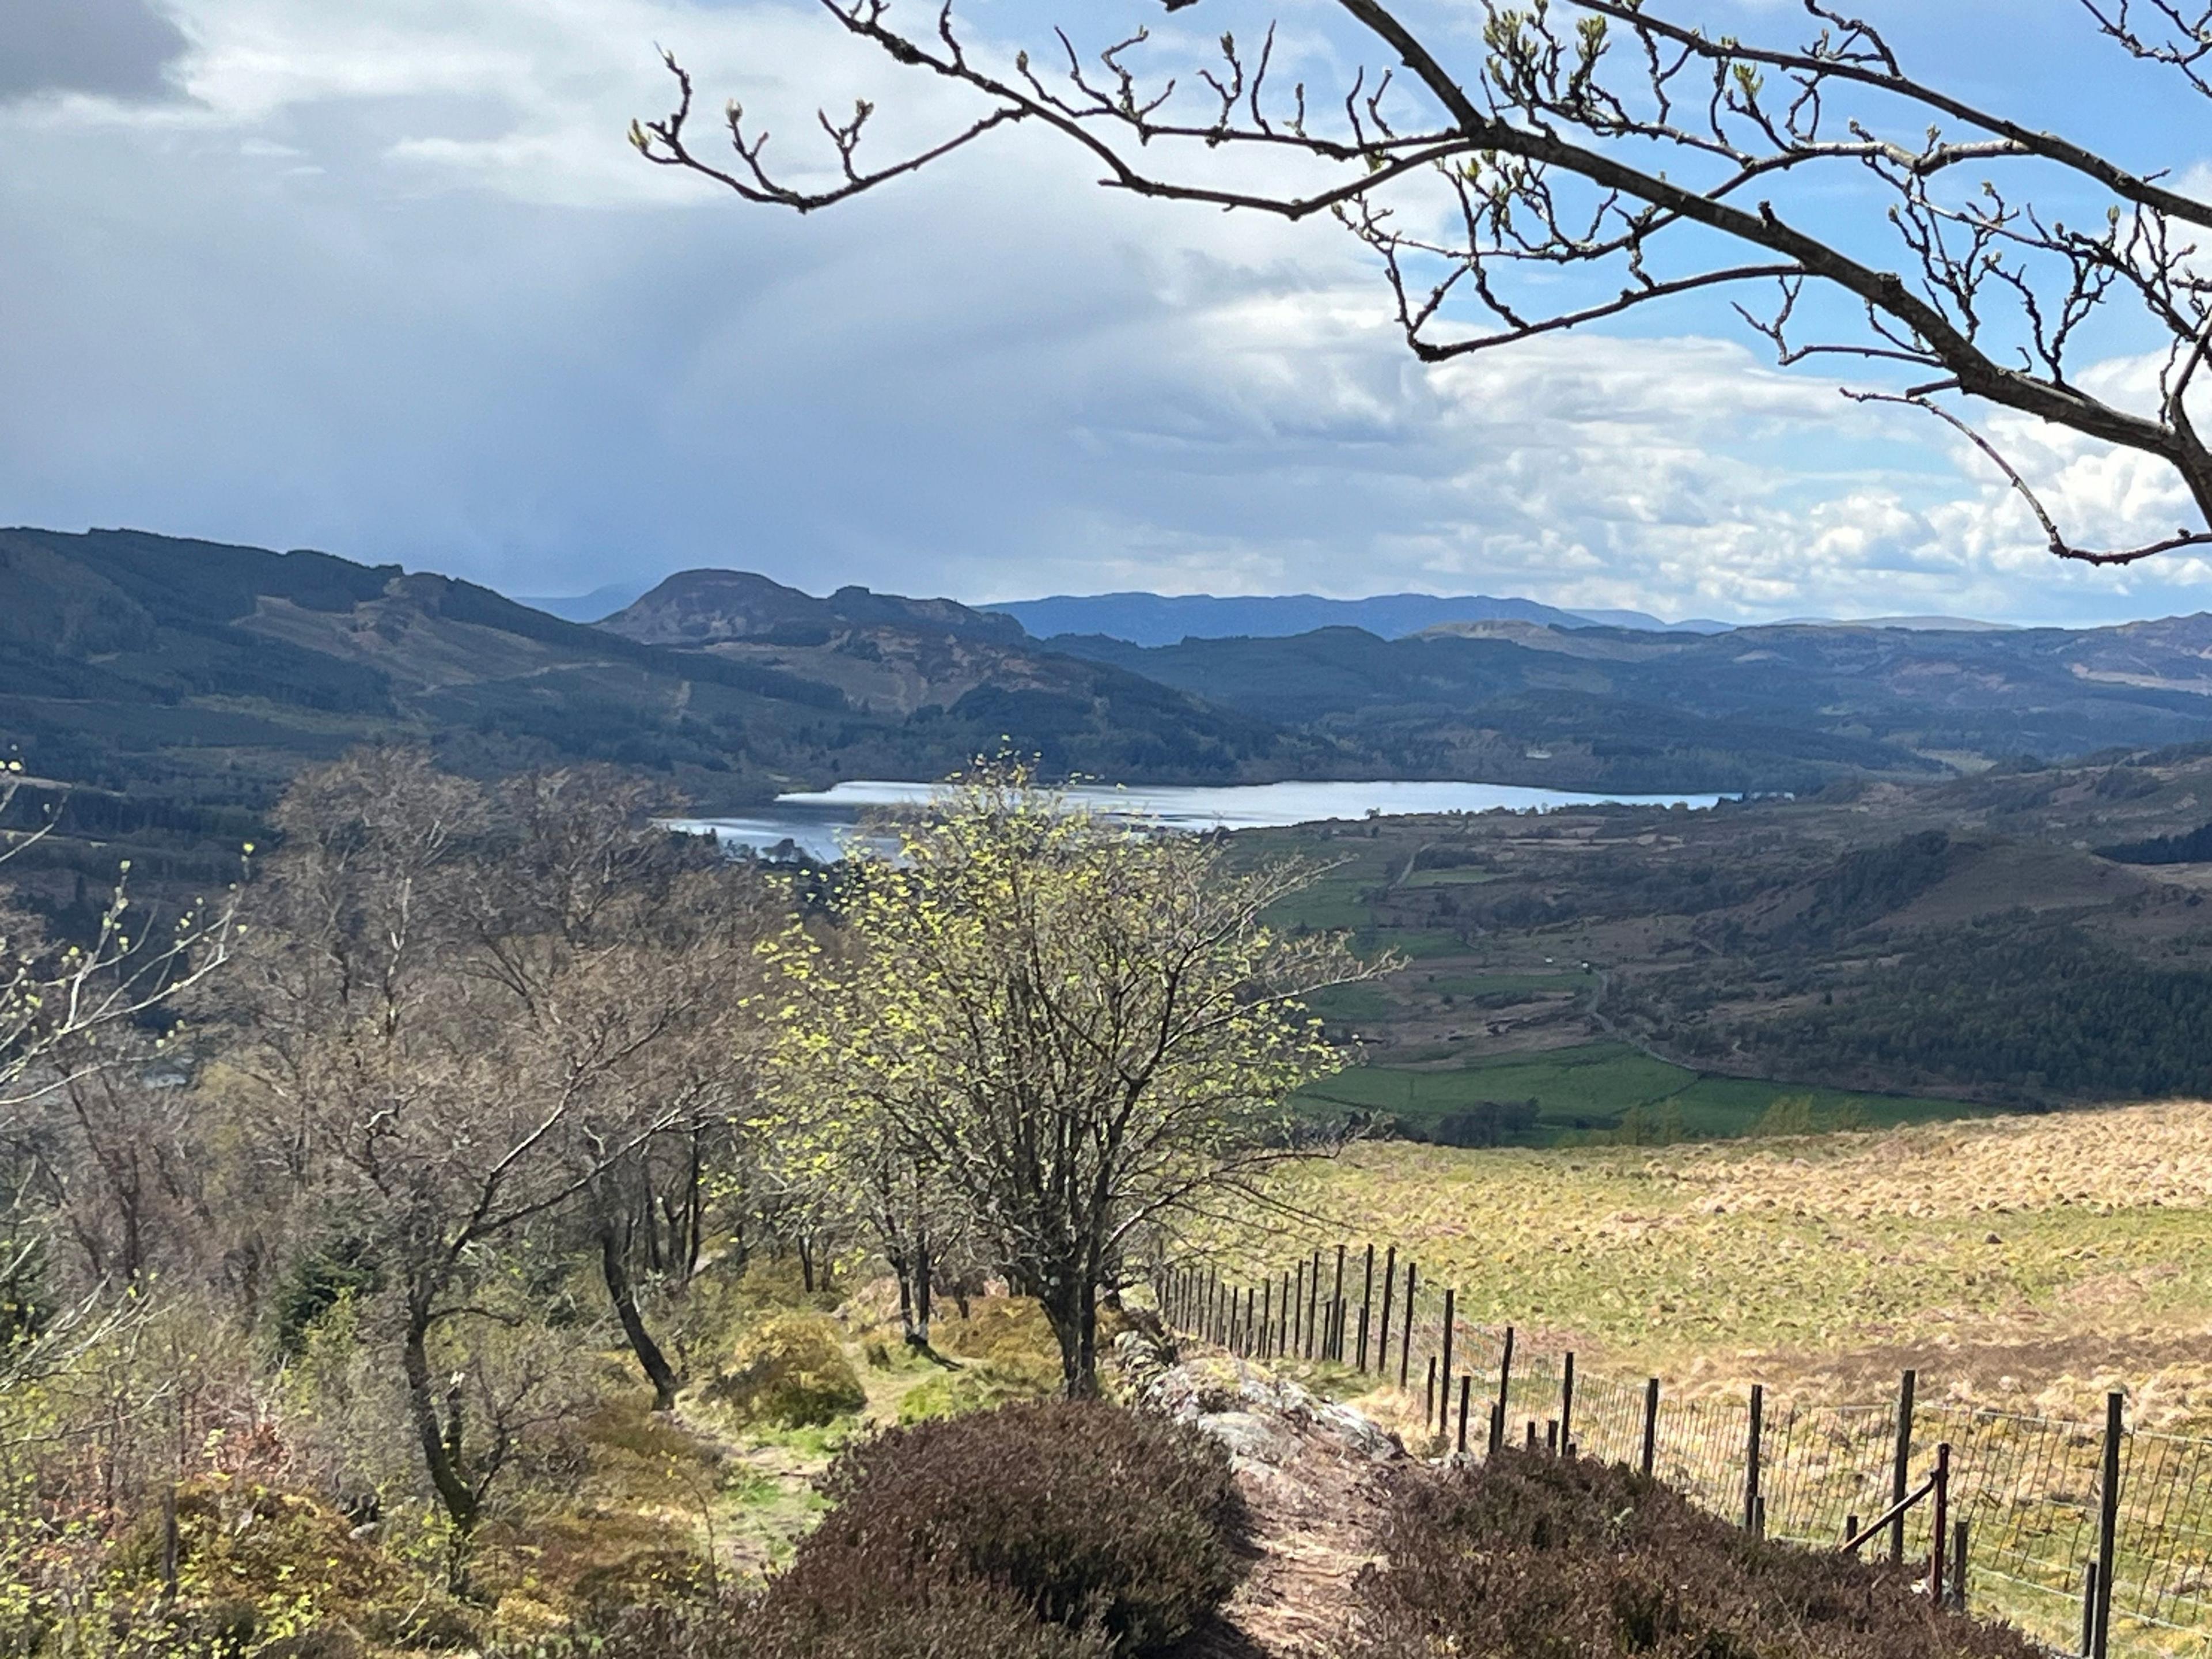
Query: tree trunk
{"type": "Point", "coordinates": [1072, 1309]}
{"type": "Point", "coordinates": [906, 1297]}
{"type": "Point", "coordinates": [440, 1441]}
{"type": "Point", "coordinates": [920, 1335]}
{"type": "Point", "coordinates": [616, 1271]}
{"type": "Point", "coordinates": [694, 1210]}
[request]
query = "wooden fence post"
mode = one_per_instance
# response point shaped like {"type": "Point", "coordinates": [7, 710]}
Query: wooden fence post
{"type": "Point", "coordinates": [1267, 1320]}
{"type": "Point", "coordinates": [1313, 1303]}
{"type": "Point", "coordinates": [1900, 1469]}
{"type": "Point", "coordinates": [1366, 1299]}
{"type": "Point", "coordinates": [1650, 1426]}
{"type": "Point", "coordinates": [1466, 1388]}
{"type": "Point", "coordinates": [1960, 1539]}
{"type": "Point", "coordinates": [2108, 1522]}
{"type": "Point", "coordinates": [1389, 1283]}
{"type": "Point", "coordinates": [1405, 1330]}
{"type": "Point", "coordinates": [1336, 1316]}
{"type": "Point", "coordinates": [1751, 1461]}
{"type": "Point", "coordinates": [1505, 1376]}
{"type": "Point", "coordinates": [1567, 1403]}
{"type": "Point", "coordinates": [2088, 1609]}
{"type": "Point", "coordinates": [1445, 1365]}
{"type": "Point", "coordinates": [1938, 1577]}
{"type": "Point", "coordinates": [1429, 1397]}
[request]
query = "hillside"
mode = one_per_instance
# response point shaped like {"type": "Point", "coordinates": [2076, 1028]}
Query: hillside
{"type": "Point", "coordinates": [1781, 708]}
{"type": "Point", "coordinates": [175, 685]}
{"type": "Point", "coordinates": [1880, 952]}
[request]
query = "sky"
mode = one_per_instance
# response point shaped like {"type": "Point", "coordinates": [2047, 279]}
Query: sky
{"type": "Point", "coordinates": [386, 279]}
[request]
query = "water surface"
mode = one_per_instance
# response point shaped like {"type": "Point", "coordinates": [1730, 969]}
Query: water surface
{"type": "Point", "coordinates": [823, 824]}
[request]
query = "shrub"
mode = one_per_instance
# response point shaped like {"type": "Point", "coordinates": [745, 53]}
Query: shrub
{"type": "Point", "coordinates": [943, 1620]}
{"type": "Point", "coordinates": [1010, 1332]}
{"type": "Point", "coordinates": [790, 1371]}
{"type": "Point", "coordinates": [975, 1388]}
{"type": "Point", "coordinates": [1533, 1554]}
{"type": "Point", "coordinates": [1079, 1510]}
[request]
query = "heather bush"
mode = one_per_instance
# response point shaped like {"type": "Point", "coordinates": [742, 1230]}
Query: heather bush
{"type": "Point", "coordinates": [912, 1619]}
{"type": "Point", "coordinates": [1530, 1555]}
{"type": "Point", "coordinates": [1083, 1512]}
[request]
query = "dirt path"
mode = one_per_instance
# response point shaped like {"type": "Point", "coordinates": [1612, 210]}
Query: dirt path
{"type": "Point", "coordinates": [1311, 1474]}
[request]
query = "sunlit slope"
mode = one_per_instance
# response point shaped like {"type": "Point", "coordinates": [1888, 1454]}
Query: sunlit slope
{"type": "Point", "coordinates": [2022, 1261]}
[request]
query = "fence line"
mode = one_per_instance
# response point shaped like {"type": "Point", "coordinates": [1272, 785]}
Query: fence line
{"type": "Point", "coordinates": [2031, 1521]}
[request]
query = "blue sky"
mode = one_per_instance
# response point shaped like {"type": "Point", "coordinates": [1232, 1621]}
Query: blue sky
{"type": "Point", "coordinates": [384, 278]}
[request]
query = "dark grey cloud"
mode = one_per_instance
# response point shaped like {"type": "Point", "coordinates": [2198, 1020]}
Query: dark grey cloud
{"type": "Point", "coordinates": [111, 48]}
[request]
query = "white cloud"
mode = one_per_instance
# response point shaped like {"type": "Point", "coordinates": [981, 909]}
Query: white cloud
{"type": "Point", "coordinates": [390, 281]}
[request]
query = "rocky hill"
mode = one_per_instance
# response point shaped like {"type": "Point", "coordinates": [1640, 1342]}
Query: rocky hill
{"type": "Point", "coordinates": [175, 685]}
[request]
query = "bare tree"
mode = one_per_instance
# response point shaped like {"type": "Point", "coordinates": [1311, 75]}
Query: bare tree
{"type": "Point", "coordinates": [439, 1082]}
{"type": "Point", "coordinates": [82, 1140]}
{"type": "Point", "coordinates": [613, 936]}
{"type": "Point", "coordinates": [1619, 152]}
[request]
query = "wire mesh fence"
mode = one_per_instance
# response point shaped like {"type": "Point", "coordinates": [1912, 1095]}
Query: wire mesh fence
{"type": "Point", "coordinates": [2029, 1529]}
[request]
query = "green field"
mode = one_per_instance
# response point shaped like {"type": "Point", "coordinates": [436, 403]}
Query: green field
{"type": "Point", "coordinates": [1591, 1087]}
{"type": "Point", "coordinates": [1476, 985]}
{"type": "Point", "coordinates": [1414, 943]}
{"type": "Point", "coordinates": [1461, 878]}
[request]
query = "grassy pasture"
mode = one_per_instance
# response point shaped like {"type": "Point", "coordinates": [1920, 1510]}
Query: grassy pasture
{"type": "Point", "coordinates": [1451, 878]}
{"type": "Point", "coordinates": [2024, 1265]}
{"type": "Point", "coordinates": [1589, 1087]}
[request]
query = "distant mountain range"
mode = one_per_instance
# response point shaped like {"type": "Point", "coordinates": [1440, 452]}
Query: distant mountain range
{"type": "Point", "coordinates": [1169, 619]}
{"type": "Point", "coordinates": [600, 602]}
{"type": "Point", "coordinates": [181, 683]}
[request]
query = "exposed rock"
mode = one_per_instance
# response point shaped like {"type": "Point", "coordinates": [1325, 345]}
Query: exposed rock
{"type": "Point", "coordinates": [1309, 1471]}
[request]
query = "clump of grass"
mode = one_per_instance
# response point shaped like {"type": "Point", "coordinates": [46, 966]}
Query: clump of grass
{"type": "Point", "coordinates": [789, 1371]}
{"type": "Point", "coordinates": [981, 1387]}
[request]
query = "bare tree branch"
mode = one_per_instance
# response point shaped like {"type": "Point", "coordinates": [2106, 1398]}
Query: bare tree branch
{"type": "Point", "coordinates": [1609, 143]}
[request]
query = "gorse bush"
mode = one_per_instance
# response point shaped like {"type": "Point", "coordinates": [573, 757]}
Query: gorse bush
{"type": "Point", "coordinates": [1090, 1516]}
{"type": "Point", "coordinates": [1532, 1555]}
